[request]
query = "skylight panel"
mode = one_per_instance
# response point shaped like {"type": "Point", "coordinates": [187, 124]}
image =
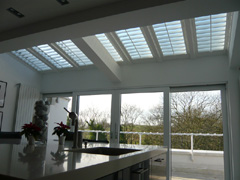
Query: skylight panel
{"type": "Point", "coordinates": [135, 43]}
{"type": "Point", "coordinates": [210, 32]}
{"type": "Point", "coordinates": [52, 56]}
{"type": "Point", "coordinates": [30, 59]}
{"type": "Point", "coordinates": [170, 38]}
{"type": "Point", "coordinates": [109, 47]}
{"type": "Point", "coordinates": [74, 52]}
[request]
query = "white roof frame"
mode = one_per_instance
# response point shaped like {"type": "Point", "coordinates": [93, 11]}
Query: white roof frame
{"type": "Point", "coordinates": [95, 51]}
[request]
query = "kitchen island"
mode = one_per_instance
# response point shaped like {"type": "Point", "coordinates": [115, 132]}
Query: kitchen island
{"type": "Point", "coordinates": [52, 161]}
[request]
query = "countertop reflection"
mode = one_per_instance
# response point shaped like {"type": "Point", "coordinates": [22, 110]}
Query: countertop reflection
{"type": "Point", "coordinates": [43, 161]}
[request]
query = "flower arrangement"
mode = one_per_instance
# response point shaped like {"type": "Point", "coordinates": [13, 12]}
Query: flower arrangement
{"type": "Point", "coordinates": [59, 157]}
{"type": "Point", "coordinates": [61, 130]}
{"type": "Point", "coordinates": [30, 130]}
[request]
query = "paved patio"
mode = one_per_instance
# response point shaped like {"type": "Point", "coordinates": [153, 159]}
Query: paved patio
{"type": "Point", "coordinates": [157, 173]}
{"type": "Point", "coordinates": [187, 176]}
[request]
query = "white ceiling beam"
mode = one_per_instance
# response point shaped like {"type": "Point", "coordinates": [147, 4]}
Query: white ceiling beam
{"type": "Point", "coordinates": [95, 51]}
{"type": "Point", "coordinates": [190, 37]}
{"type": "Point", "coordinates": [234, 46]}
{"type": "Point", "coordinates": [33, 52]}
{"type": "Point", "coordinates": [64, 55]}
{"type": "Point", "coordinates": [58, 29]}
{"type": "Point", "coordinates": [152, 42]}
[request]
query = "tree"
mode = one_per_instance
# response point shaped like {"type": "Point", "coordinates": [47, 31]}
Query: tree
{"type": "Point", "coordinates": [154, 123]}
{"type": "Point", "coordinates": [92, 125]}
{"type": "Point", "coordinates": [93, 113]}
{"type": "Point", "coordinates": [129, 116]}
{"type": "Point", "coordinates": [94, 119]}
{"type": "Point", "coordinates": [122, 137]}
{"type": "Point", "coordinates": [196, 112]}
{"type": "Point", "coordinates": [191, 112]}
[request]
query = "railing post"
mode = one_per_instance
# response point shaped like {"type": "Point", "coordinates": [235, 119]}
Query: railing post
{"type": "Point", "coordinates": [140, 139]}
{"type": "Point", "coordinates": [97, 135]}
{"type": "Point", "coordinates": [192, 146]}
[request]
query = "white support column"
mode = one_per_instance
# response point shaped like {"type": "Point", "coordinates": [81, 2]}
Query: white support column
{"type": "Point", "coordinates": [167, 132]}
{"type": "Point", "coordinates": [233, 96]}
{"type": "Point", "coordinates": [234, 45]}
{"type": "Point", "coordinates": [115, 119]}
{"type": "Point", "coordinates": [227, 139]}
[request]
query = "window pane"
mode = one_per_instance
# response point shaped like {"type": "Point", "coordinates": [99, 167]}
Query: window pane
{"type": "Point", "coordinates": [170, 38]}
{"type": "Point", "coordinates": [208, 29]}
{"type": "Point", "coordinates": [142, 113]}
{"type": "Point", "coordinates": [94, 114]}
{"type": "Point", "coordinates": [135, 43]}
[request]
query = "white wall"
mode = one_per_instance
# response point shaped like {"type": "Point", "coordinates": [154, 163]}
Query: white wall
{"type": "Point", "coordinates": [168, 73]}
{"type": "Point", "coordinates": [13, 72]}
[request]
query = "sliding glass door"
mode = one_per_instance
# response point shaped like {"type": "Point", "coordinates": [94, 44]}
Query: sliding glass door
{"type": "Point", "coordinates": [198, 127]}
{"type": "Point", "coordinates": [191, 122]}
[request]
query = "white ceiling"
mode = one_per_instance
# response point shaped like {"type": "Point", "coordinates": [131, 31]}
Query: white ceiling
{"type": "Point", "coordinates": [42, 15]}
{"type": "Point", "coordinates": [46, 21]}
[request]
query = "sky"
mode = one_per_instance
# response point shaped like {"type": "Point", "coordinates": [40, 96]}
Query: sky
{"type": "Point", "coordinates": [103, 102]}
{"type": "Point", "coordinates": [144, 101]}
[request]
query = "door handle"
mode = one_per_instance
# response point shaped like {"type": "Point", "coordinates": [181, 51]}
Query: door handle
{"type": "Point", "coordinates": [159, 160]}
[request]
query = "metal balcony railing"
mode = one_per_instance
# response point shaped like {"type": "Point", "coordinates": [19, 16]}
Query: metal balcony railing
{"type": "Point", "coordinates": [191, 135]}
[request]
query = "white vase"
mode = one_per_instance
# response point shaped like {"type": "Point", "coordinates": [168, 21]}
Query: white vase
{"type": "Point", "coordinates": [31, 140]}
{"type": "Point", "coordinates": [61, 140]}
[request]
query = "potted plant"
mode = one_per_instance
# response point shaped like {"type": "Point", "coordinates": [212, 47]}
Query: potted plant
{"type": "Point", "coordinates": [61, 131]}
{"type": "Point", "coordinates": [31, 132]}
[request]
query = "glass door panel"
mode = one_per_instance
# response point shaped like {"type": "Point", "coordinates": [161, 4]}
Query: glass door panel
{"type": "Point", "coordinates": [197, 135]}
{"type": "Point", "coordinates": [94, 115]}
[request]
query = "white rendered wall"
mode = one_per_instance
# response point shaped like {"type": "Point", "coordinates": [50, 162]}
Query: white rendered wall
{"type": "Point", "coordinates": [13, 72]}
{"type": "Point", "coordinates": [169, 73]}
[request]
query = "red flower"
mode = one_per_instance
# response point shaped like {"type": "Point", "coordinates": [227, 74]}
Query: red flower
{"type": "Point", "coordinates": [61, 129]}
{"type": "Point", "coordinates": [63, 126]}
{"type": "Point", "coordinates": [30, 130]}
